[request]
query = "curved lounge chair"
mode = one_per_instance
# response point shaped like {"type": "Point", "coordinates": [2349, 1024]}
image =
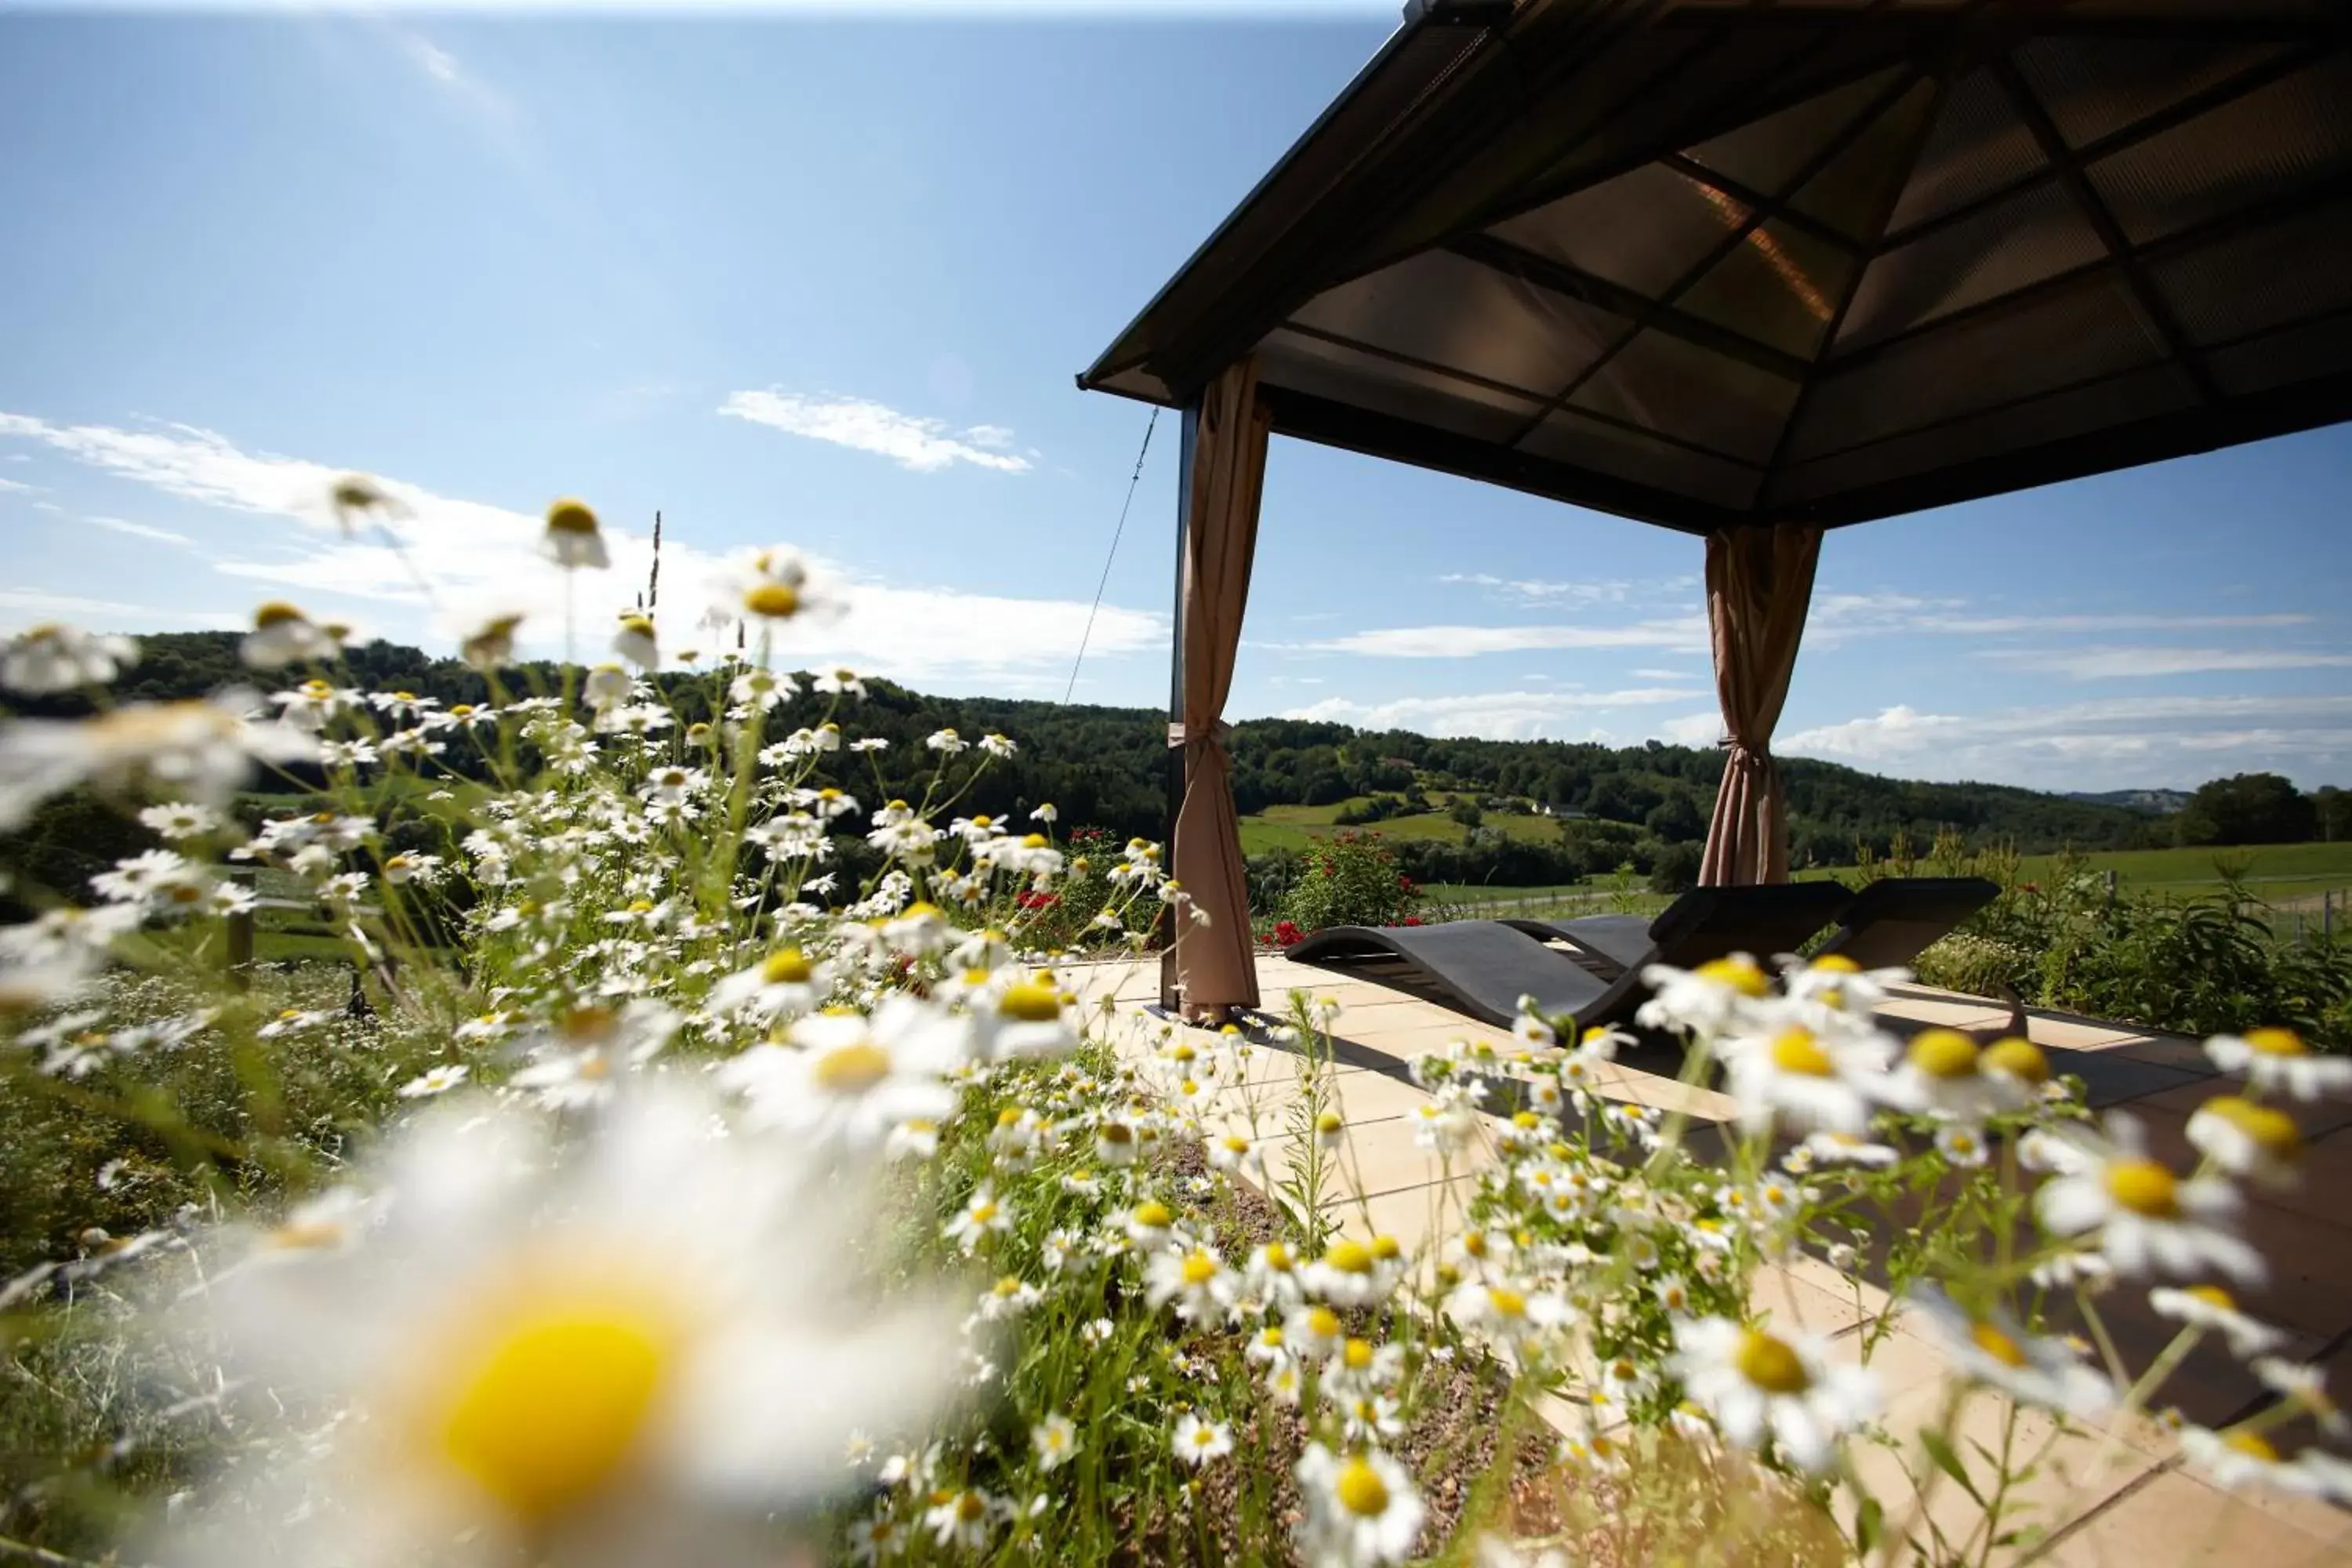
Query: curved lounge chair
{"type": "Point", "coordinates": [1704, 924]}
{"type": "Point", "coordinates": [1479, 967]}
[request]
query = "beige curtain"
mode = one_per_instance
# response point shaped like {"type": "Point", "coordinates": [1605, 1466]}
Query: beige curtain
{"type": "Point", "coordinates": [1215, 963]}
{"type": "Point", "coordinates": [1759, 585]}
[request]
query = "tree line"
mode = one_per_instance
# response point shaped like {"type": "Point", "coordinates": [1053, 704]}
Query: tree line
{"type": "Point", "coordinates": [1108, 767]}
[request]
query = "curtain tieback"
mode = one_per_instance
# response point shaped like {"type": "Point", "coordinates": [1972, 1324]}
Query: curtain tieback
{"type": "Point", "coordinates": [1217, 733]}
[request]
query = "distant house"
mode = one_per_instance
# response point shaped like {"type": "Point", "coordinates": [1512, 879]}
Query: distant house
{"type": "Point", "coordinates": [1555, 808]}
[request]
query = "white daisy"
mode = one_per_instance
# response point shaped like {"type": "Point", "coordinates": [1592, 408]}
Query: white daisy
{"type": "Point", "coordinates": [435, 1080]}
{"type": "Point", "coordinates": [572, 539]}
{"type": "Point", "coordinates": [848, 1077]}
{"type": "Point", "coordinates": [1821, 1081]}
{"type": "Point", "coordinates": [1196, 1280]}
{"type": "Point", "coordinates": [1759, 1386]}
{"type": "Point", "coordinates": [1361, 1509]}
{"type": "Point", "coordinates": [283, 635]}
{"type": "Point", "coordinates": [787, 982]}
{"type": "Point", "coordinates": [2249, 1139]}
{"type": "Point", "coordinates": [547, 1364]}
{"type": "Point", "coordinates": [43, 660]}
{"type": "Point", "coordinates": [1708, 999]}
{"type": "Point", "coordinates": [1941, 1074]}
{"type": "Point", "coordinates": [2211, 1307]}
{"type": "Point", "coordinates": [2279, 1061]}
{"type": "Point", "coordinates": [1197, 1441]}
{"type": "Point", "coordinates": [1995, 1350]}
{"type": "Point", "coordinates": [2147, 1218]}
{"type": "Point", "coordinates": [1055, 1441]}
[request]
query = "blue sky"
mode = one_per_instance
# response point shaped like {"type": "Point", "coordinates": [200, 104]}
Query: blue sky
{"type": "Point", "coordinates": [826, 281]}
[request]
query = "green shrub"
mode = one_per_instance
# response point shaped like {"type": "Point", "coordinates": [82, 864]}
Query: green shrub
{"type": "Point", "coordinates": [1352, 879]}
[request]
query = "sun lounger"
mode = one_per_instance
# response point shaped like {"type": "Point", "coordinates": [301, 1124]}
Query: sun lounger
{"type": "Point", "coordinates": [1483, 967]}
{"type": "Point", "coordinates": [1890, 924]}
{"type": "Point", "coordinates": [1704, 924]}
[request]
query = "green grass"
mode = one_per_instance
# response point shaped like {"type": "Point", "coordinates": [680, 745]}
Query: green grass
{"type": "Point", "coordinates": [1299, 826]}
{"type": "Point", "coordinates": [2273, 871]}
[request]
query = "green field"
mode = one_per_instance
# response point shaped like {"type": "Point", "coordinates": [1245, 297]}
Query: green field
{"type": "Point", "coordinates": [2286, 876]}
{"type": "Point", "coordinates": [1298, 826]}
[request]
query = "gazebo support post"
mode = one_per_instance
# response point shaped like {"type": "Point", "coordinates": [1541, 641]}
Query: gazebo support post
{"type": "Point", "coordinates": [1210, 968]}
{"type": "Point", "coordinates": [1760, 588]}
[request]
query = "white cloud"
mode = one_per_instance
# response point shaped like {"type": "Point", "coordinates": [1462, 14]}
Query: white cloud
{"type": "Point", "coordinates": [1683, 634]}
{"type": "Point", "coordinates": [910, 440]}
{"type": "Point", "coordinates": [17, 485]}
{"type": "Point", "coordinates": [1662, 675]}
{"type": "Point", "coordinates": [2114, 663]}
{"type": "Point", "coordinates": [2150, 741]}
{"type": "Point", "coordinates": [483, 559]}
{"type": "Point", "coordinates": [21, 607]}
{"type": "Point", "coordinates": [449, 74]}
{"type": "Point", "coordinates": [1491, 715]}
{"type": "Point", "coordinates": [1693, 729]}
{"type": "Point", "coordinates": [1540, 591]}
{"type": "Point", "coordinates": [140, 529]}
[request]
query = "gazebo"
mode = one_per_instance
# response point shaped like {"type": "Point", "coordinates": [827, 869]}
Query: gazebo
{"type": "Point", "coordinates": [1750, 269]}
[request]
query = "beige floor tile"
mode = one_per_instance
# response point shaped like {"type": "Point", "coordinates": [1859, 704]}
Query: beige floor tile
{"type": "Point", "coordinates": [1808, 1294]}
{"type": "Point", "coordinates": [1417, 1217]}
{"type": "Point", "coordinates": [1965, 1013]}
{"type": "Point", "coordinates": [1637, 1087]}
{"type": "Point", "coordinates": [2083, 1036]}
{"type": "Point", "coordinates": [2073, 1473]}
{"type": "Point", "coordinates": [1384, 1156]}
{"type": "Point", "coordinates": [2173, 1520]}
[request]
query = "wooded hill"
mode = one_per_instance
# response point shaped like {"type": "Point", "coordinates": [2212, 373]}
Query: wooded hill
{"type": "Point", "coordinates": [1106, 766]}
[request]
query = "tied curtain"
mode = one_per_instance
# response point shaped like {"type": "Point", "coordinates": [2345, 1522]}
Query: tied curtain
{"type": "Point", "coordinates": [1759, 586]}
{"type": "Point", "coordinates": [1214, 965]}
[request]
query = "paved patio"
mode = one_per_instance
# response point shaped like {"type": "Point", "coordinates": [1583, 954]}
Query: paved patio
{"type": "Point", "coordinates": [2123, 1500]}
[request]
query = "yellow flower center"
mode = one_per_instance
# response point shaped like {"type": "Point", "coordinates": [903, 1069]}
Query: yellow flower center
{"type": "Point", "coordinates": [2276, 1042]}
{"type": "Point", "coordinates": [276, 613]}
{"type": "Point", "coordinates": [1328, 1122]}
{"type": "Point", "coordinates": [1770, 1363]}
{"type": "Point", "coordinates": [1323, 1323]}
{"type": "Point", "coordinates": [1739, 974]}
{"type": "Point", "coordinates": [1943, 1053]}
{"type": "Point", "coordinates": [1030, 1002]}
{"type": "Point", "coordinates": [983, 1213]}
{"type": "Point", "coordinates": [1797, 1051]}
{"type": "Point", "coordinates": [2273, 1130]}
{"type": "Point", "coordinates": [1387, 1248]}
{"type": "Point", "coordinates": [1996, 1344]}
{"type": "Point", "coordinates": [1199, 1268]}
{"type": "Point", "coordinates": [571, 516]}
{"type": "Point", "coordinates": [851, 1069]}
{"type": "Point", "coordinates": [2254, 1445]}
{"type": "Point", "coordinates": [1033, 841]}
{"type": "Point", "coordinates": [588, 1022]}
{"type": "Point", "coordinates": [2212, 1296]}
{"type": "Point", "coordinates": [1236, 1144]}
{"type": "Point", "coordinates": [553, 1409]}
{"type": "Point", "coordinates": [1356, 1354]}
{"type": "Point", "coordinates": [637, 625]}
{"type": "Point", "coordinates": [1348, 1257]}
{"type": "Point", "coordinates": [2144, 1187]}
{"type": "Point", "coordinates": [1360, 1490]}
{"type": "Point", "coordinates": [1277, 1257]}
{"type": "Point", "coordinates": [2019, 1057]}
{"type": "Point", "coordinates": [787, 966]}
{"type": "Point", "coordinates": [1836, 964]}
{"type": "Point", "coordinates": [1152, 1215]}
{"type": "Point", "coordinates": [1114, 1132]}
{"type": "Point", "coordinates": [1506, 1303]}
{"type": "Point", "coordinates": [774, 600]}
{"type": "Point", "coordinates": [641, 906]}
{"type": "Point", "coordinates": [970, 1506]}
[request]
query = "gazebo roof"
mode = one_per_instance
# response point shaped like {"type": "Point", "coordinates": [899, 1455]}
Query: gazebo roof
{"type": "Point", "coordinates": [1703, 262]}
